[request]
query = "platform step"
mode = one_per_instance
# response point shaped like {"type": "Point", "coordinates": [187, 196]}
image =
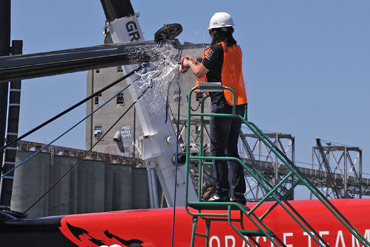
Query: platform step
{"type": "Point", "coordinates": [255, 233]}
{"type": "Point", "coordinates": [201, 235]}
{"type": "Point", "coordinates": [217, 206]}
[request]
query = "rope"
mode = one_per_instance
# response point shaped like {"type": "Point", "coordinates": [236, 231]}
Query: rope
{"type": "Point", "coordinates": [52, 187]}
{"type": "Point", "coordinates": [196, 109]}
{"type": "Point", "coordinates": [71, 108]}
{"type": "Point", "coordinates": [176, 165]}
{"type": "Point", "coordinates": [80, 160]}
{"type": "Point", "coordinates": [167, 105]}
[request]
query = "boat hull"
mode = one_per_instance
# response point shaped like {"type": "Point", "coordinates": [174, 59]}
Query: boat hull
{"type": "Point", "coordinates": [153, 227]}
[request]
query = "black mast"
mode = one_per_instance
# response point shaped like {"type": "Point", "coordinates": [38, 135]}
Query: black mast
{"type": "Point", "coordinates": [12, 132]}
{"type": "Point", "coordinates": [115, 9]}
{"type": "Point", "coordinates": [4, 51]}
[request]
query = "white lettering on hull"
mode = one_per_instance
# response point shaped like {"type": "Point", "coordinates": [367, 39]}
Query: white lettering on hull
{"type": "Point", "coordinates": [289, 240]}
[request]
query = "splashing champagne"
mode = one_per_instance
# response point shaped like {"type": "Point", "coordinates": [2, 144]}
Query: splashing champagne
{"type": "Point", "coordinates": [160, 72]}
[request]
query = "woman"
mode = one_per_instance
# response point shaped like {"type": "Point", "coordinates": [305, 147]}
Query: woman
{"type": "Point", "coordinates": [222, 62]}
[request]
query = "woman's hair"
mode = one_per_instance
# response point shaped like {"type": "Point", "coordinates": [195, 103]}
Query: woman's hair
{"type": "Point", "coordinates": [224, 34]}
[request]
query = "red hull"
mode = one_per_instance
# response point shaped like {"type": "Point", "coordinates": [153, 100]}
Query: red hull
{"type": "Point", "coordinates": [154, 227]}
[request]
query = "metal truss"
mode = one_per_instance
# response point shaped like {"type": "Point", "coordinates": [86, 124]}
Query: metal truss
{"type": "Point", "coordinates": [342, 166]}
{"type": "Point", "coordinates": [336, 170]}
{"type": "Point", "coordinates": [258, 155]}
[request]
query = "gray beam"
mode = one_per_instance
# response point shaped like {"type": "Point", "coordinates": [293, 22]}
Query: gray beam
{"type": "Point", "coordinates": [79, 59]}
{"type": "Point", "coordinates": [73, 60]}
{"type": "Point", "coordinates": [4, 51]}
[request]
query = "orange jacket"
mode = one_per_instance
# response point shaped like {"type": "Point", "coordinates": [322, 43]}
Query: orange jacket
{"type": "Point", "coordinates": [231, 74]}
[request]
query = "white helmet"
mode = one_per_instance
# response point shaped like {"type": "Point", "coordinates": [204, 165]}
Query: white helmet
{"type": "Point", "coordinates": [221, 19]}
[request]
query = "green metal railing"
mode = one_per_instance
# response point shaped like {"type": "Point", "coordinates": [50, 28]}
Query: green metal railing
{"type": "Point", "coordinates": [275, 192]}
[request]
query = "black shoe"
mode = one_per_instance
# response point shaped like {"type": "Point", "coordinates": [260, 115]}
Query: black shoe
{"type": "Point", "coordinates": [241, 201]}
{"type": "Point", "coordinates": [217, 198]}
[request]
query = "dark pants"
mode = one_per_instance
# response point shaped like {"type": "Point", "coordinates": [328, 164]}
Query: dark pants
{"type": "Point", "coordinates": [224, 132]}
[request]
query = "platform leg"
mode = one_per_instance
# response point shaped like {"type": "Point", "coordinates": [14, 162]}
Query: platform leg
{"type": "Point", "coordinates": [195, 222]}
{"type": "Point", "coordinates": [208, 227]}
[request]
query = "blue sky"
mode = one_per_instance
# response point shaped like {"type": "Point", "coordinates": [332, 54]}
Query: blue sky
{"type": "Point", "coordinates": [306, 63]}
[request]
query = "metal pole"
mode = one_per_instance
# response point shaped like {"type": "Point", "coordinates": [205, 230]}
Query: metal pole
{"type": "Point", "coordinates": [4, 51]}
{"type": "Point", "coordinates": [293, 160]}
{"type": "Point", "coordinates": [154, 188]}
{"type": "Point", "coordinates": [313, 162]}
{"type": "Point", "coordinates": [134, 137]}
{"type": "Point", "coordinates": [276, 161]}
{"type": "Point", "coordinates": [92, 108]}
{"type": "Point", "coordinates": [151, 194]}
{"type": "Point", "coordinates": [360, 194]}
{"type": "Point", "coordinates": [345, 180]}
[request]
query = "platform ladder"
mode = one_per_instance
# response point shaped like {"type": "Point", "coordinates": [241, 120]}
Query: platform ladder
{"type": "Point", "coordinates": [207, 210]}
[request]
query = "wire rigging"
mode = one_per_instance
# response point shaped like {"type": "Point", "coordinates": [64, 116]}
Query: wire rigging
{"type": "Point", "coordinates": [64, 133]}
{"type": "Point", "coordinates": [176, 162]}
{"type": "Point", "coordinates": [72, 107]}
{"type": "Point", "coordinates": [84, 156]}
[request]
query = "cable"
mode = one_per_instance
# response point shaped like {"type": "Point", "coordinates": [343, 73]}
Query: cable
{"type": "Point", "coordinates": [167, 105]}
{"type": "Point", "coordinates": [52, 187]}
{"type": "Point", "coordinates": [196, 109]}
{"type": "Point", "coordinates": [176, 164]}
{"type": "Point", "coordinates": [80, 160]}
{"type": "Point", "coordinates": [72, 107]}
{"type": "Point", "coordinates": [64, 133]}
{"type": "Point", "coordinates": [34, 154]}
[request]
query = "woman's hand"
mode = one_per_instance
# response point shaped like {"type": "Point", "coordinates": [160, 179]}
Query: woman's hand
{"type": "Point", "coordinates": [188, 61]}
{"type": "Point", "coordinates": [198, 68]}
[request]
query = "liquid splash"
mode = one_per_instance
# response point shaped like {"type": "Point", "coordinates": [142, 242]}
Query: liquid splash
{"type": "Point", "coordinates": [158, 75]}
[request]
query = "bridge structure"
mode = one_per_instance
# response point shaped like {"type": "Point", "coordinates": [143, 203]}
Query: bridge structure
{"type": "Point", "coordinates": [335, 169]}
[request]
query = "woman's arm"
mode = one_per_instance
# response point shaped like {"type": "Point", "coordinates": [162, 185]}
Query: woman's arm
{"type": "Point", "coordinates": [196, 67]}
